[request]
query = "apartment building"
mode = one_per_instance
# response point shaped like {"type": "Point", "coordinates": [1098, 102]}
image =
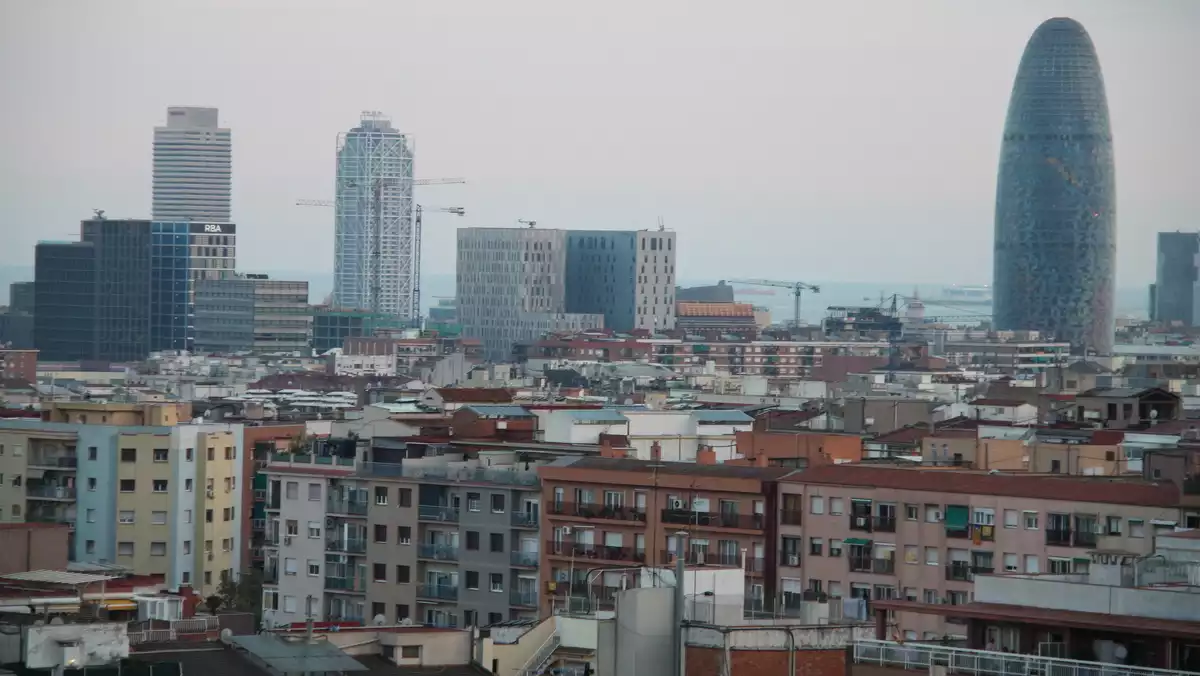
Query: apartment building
{"type": "Point", "coordinates": [606, 518]}
{"type": "Point", "coordinates": [774, 358]}
{"type": "Point", "coordinates": [157, 500]}
{"type": "Point", "coordinates": [879, 533]}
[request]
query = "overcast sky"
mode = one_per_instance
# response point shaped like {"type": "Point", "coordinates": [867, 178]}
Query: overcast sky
{"type": "Point", "coordinates": [831, 140]}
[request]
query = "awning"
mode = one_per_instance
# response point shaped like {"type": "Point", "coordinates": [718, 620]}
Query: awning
{"type": "Point", "coordinates": [119, 604]}
{"type": "Point", "coordinates": [856, 541]}
{"type": "Point", "coordinates": [1162, 522]}
{"type": "Point", "coordinates": [1081, 559]}
{"type": "Point", "coordinates": [957, 516]}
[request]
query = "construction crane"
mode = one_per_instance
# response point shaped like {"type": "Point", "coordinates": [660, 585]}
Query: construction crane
{"type": "Point", "coordinates": [416, 181]}
{"type": "Point", "coordinates": [416, 292]}
{"type": "Point", "coordinates": [797, 289]}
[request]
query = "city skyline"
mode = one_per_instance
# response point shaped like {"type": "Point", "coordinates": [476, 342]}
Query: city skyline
{"type": "Point", "coordinates": [568, 157]}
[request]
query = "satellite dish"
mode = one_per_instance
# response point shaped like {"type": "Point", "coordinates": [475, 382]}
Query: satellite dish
{"type": "Point", "coordinates": [380, 620]}
{"type": "Point", "coordinates": [226, 634]}
{"type": "Point", "coordinates": [406, 622]}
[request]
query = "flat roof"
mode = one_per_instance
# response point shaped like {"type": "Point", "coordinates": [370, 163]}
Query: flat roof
{"type": "Point", "coordinates": [297, 656]}
{"type": "Point", "coordinates": [683, 468]}
{"type": "Point", "coordinates": [57, 577]}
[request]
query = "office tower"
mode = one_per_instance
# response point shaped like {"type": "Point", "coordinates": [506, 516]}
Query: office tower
{"type": "Point", "coordinates": [1175, 293]}
{"type": "Point", "coordinates": [375, 252]}
{"type": "Point", "coordinates": [123, 276]}
{"type": "Point", "coordinates": [1055, 237]}
{"type": "Point", "coordinates": [65, 290]}
{"type": "Point", "coordinates": [184, 254]}
{"type": "Point", "coordinates": [20, 297]}
{"type": "Point", "coordinates": [627, 276]}
{"type": "Point", "coordinates": [193, 167]}
{"type": "Point", "coordinates": [252, 313]}
{"type": "Point", "coordinates": [16, 321]}
{"type": "Point", "coordinates": [511, 287]}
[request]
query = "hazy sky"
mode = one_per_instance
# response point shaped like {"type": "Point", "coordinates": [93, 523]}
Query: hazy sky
{"type": "Point", "coordinates": [831, 140]}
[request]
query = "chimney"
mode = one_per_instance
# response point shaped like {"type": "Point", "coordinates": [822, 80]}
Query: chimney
{"type": "Point", "coordinates": [655, 451]}
{"type": "Point", "coordinates": [706, 456]}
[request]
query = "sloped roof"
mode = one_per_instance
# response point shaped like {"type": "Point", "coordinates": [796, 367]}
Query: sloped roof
{"type": "Point", "coordinates": [691, 309]}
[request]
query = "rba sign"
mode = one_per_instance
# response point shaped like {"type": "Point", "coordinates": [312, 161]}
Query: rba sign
{"type": "Point", "coordinates": [212, 227]}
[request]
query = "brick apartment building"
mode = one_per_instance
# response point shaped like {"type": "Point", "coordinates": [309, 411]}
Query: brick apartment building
{"type": "Point", "coordinates": [18, 364]}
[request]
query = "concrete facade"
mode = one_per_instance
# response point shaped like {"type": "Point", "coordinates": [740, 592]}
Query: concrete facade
{"type": "Point", "coordinates": [193, 167]}
{"type": "Point", "coordinates": [296, 504]}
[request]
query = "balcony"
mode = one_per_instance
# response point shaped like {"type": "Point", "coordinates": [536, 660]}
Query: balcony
{"type": "Point", "coordinates": [50, 492]}
{"type": "Point", "coordinates": [524, 559]}
{"type": "Point", "coordinates": [790, 517]}
{"type": "Point", "coordinates": [347, 545]}
{"type": "Point", "coordinates": [1060, 537]}
{"type": "Point", "coordinates": [350, 507]}
{"type": "Point", "coordinates": [883, 566]}
{"type": "Point", "coordinates": [594, 511]}
{"type": "Point", "coordinates": [355, 585]}
{"type": "Point", "coordinates": [959, 571]}
{"type": "Point", "coordinates": [437, 552]}
{"type": "Point", "coordinates": [861, 564]}
{"type": "Point", "coordinates": [66, 462]}
{"type": "Point", "coordinates": [883, 524]}
{"type": "Point", "coordinates": [756, 564]}
{"type": "Point", "coordinates": [1191, 485]}
{"type": "Point", "coordinates": [861, 522]}
{"type": "Point", "coordinates": [525, 520]}
{"type": "Point", "coordinates": [713, 519]}
{"type": "Point", "coordinates": [985, 532]}
{"type": "Point", "coordinates": [439, 513]}
{"type": "Point", "coordinates": [1085, 538]}
{"type": "Point", "coordinates": [271, 575]}
{"type": "Point", "coordinates": [438, 592]}
{"type": "Point", "coordinates": [524, 599]}
{"type": "Point", "coordinates": [982, 569]}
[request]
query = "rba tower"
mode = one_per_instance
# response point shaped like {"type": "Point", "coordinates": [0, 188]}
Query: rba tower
{"type": "Point", "coordinates": [375, 250]}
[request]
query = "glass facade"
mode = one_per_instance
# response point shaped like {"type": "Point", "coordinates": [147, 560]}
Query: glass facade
{"type": "Point", "coordinates": [1055, 239]}
{"type": "Point", "coordinates": [1176, 278]}
{"type": "Point", "coordinates": [65, 295]}
{"type": "Point", "coordinates": [170, 303]}
{"type": "Point", "coordinates": [123, 283]}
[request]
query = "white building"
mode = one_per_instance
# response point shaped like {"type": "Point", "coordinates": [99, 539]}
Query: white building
{"type": "Point", "coordinates": [677, 435]}
{"type": "Point", "coordinates": [193, 167]}
{"type": "Point", "coordinates": [1013, 411]}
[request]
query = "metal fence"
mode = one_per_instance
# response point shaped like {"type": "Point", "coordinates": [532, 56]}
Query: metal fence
{"type": "Point", "coordinates": [928, 658]}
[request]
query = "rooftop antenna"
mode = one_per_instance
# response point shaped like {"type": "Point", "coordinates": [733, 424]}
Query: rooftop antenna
{"type": "Point", "coordinates": [99, 214]}
{"type": "Point", "coordinates": [525, 222]}
{"type": "Point", "coordinates": [661, 224]}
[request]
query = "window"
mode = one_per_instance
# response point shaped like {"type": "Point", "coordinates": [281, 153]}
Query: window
{"type": "Point", "coordinates": [227, 514]}
{"type": "Point", "coordinates": [497, 542]}
{"type": "Point", "coordinates": [289, 566]}
{"type": "Point", "coordinates": [472, 502]}
{"type": "Point", "coordinates": [91, 516]}
{"type": "Point", "coordinates": [227, 545]}
{"type": "Point", "coordinates": [1113, 525]}
{"type": "Point", "coordinates": [931, 556]}
{"type": "Point", "coordinates": [912, 554]}
{"type": "Point", "coordinates": [473, 540]}
{"type": "Point", "coordinates": [910, 593]}
{"type": "Point", "coordinates": [158, 549]}
{"type": "Point", "coordinates": [472, 579]}
{"type": "Point", "coordinates": [125, 516]}
{"type": "Point", "coordinates": [289, 604]}
{"type": "Point", "coordinates": [160, 455]}
{"type": "Point", "coordinates": [187, 546]}
{"type": "Point", "coordinates": [494, 618]}
{"type": "Point", "coordinates": [837, 506]}
{"type": "Point", "coordinates": [497, 503]}
{"type": "Point", "coordinates": [930, 596]}
{"type": "Point", "coordinates": [469, 618]}
{"type": "Point", "coordinates": [90, 546]}
{"type": "Point", "coordinates": [314, 492]}
{"type": "Point", "coordinates": [314, 530]}
{"type": "Point", "coordinates": [188, 455]}
{"type": "Point", "coordinates": [158, 518]}
{"type": "Point", "coordinates": [91, 452]}
{"type": "Point", "coordinates": [187, 485]}
{"type": "Point", "coordinates": [912, 513]}
{"type": "Point", "coordinates": [124, 549]}
{"type": "Point", "coordinates": [1137, 528]}
{"type": "Point", "coordinates": [1031, 563]}
{"type": "Point", "coordinates": [404, 535]}
{"type": "Point", "coordinates": [230, 453]}
{"type": "Point", "coordinates": [293, 526]}
{"type": "Point", "coordinates": [410, 652]}
{"type": "Point", "coordinates": [1058, 566]}
{"type": "Point", "coordinates": [401, 611]}
{"type": "Point", "coordinates": [91, 484]}
{"type": "Point", "coordinates": [208, 577]}
{"type": "Point", "coordinates": [405, 495]}
{"type": "Point", "coordinates": [402, 574]}
{"type": "Point", "coordinates": [1031, 520]}
{"type": "Point", "coordinates": [933, 513]}
{"type": "Point", "coordinates": [835, 547]}
{"type": "Point", "coordinates": [187, 516]}
{"type": "Point", "coordinates": [381, 532]}
{"type": "Point", "coordinates": [816, 546]}
{"type": "Point", "coordinates": [1011, 518]}
{"type": "Point", "coordinates": [159, 485]}
{"type": "Point", "coordinates": [211, 454]}
{"type": "Point", "coordinates": [1010, 563]}
{"type": "Point", "coordinates": [381, 495]}
{"type": "Point", "coordinates": [816, 505]}
{"type": "Point", "coordinates": [291, 490]}
{"type": "Point", "coordinates": [956, 598]}
{"type": "Point", "coordinates": [496, 582]}
{"type": "Point", "coordinates": [208, 546]}
{"type": "Point", "coordinates": [128, 455]}
{"type": "Point", "coordinates": [128, 485]}
{"type": "Point", "coordinates": [208, 518]}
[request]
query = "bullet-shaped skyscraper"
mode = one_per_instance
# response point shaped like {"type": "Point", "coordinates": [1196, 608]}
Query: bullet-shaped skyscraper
{"type": "Point", "coordinates": [1056, 217]}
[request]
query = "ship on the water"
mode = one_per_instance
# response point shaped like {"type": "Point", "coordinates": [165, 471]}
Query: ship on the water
{"type": "Point", "coordinates": [963, 295]}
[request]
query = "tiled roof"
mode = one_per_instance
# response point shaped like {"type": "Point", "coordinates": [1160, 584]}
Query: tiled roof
{"type": "Point", "coordinates": [687, 309]}
{"type": "Point", "coordinates": [477, 395]}
{"type": "Point", "coordinates": [648, 466]}
{"type": "Point", "coordinates": [1038, 487]}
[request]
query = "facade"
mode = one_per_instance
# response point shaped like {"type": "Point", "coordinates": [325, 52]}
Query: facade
{"type": "Point", "coordinates": [774, 358]}
{"type": "Point", "coordinates": [1176, 278]}
{"type": "Point", "coordinates": [716, 317]}
{"type": "Point", "coordinates": [123, 288]}
{"type": "Point", "coordinates": [1014, 358]}
{"type": "Point", "coordinates": [376, 257]}
{"type": "Point", "coordinates": [33, 546]}
{"type": "Point", "coordinates": [224, 311]}
{"type": "Point", "coordinates": [65, 289]}
{"type": "Point", "coordinates": [21, 297]}
{"type": "Point", "coordinates": [512, 287]}
{"type": "Point", "coordinates": [193, 167]}
{"type": "Point", "coordinates": [627, 276]}
{"type": "Point", "coordinates": [252, 313]}
{"type": "Point", "coordinates": [184, 255]}
{"type": "Point", "coordinates": [19, 364]}
{"type": "Point", "coordinates": [880, 533]}
{"type": "Point", "coordinates": [332, 326]}
{"type": "Point", "coordinates": [1055, 240]}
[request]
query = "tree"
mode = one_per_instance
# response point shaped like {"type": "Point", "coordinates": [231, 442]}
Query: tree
{"type": "Point", "coordinates": [213, 603]}
{"type": "Point", "coordinates": [243, 594]}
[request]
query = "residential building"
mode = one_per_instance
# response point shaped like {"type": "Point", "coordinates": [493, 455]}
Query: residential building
{"type": "Point", "coordinates": [878, 532]}
{"type": "Point", "coordinates": [19, 364]}
{"type": "Point", "coordinates": [1057, 176]}
{"type": "Point", "coordinates": [376, 256]}
{"type": "Point", "coordinates": [627, 276]}
{"type": "Point", "coordinates": [33, 546]}
{"type": "Point", "coordinates": [193, 167]}
{"type": "Point", "coordinates": [679, 436]}
{"type": "Point", "coordinates": [450, 399]}
{"type": "Point", "coordinates": [1176, 277]}
{"type": "Point", "coordinates": [1127, 407]}
{"type": "Point", "coordinates": [332, 325]}
{"type": "Point", "coordinates": [1010, 411]}
{"type": "Point", "coordinates": [604, 517]}
{"type": "Point", "coordinates": [771, 358]}
{"type": "Point", "coordinates": [252, 313]}
{"type": "Point", "coordinates": [1014, 358]}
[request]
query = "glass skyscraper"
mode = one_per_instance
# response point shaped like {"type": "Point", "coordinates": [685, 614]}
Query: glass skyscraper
{"type": "Point", "coordinates": [1055, 241]}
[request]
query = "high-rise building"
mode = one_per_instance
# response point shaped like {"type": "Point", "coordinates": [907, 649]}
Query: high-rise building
{"type": "Point", "coordinates": [193, 167]}
{"type": "Point", "coordinates": [20, 297]}
{"type": "Point", "coordinates": [123, 287]}
{"type": "Point", "coordinates": [375, 253]}
{"type": "Point", "coordinates": [252, 313]}
{"type": "Point", "coordinates": [627, 276]}
{"type": "Point", "coordinates": [512, 287]}
{"type": "Point", "coordinates": [184, 254]}
{"type": "Point", "coordinates": [1055, 237]}
{"type": "Point", "coordinates": [65, 290]}
{"type": "Point", "coordinates": [1176, 278]}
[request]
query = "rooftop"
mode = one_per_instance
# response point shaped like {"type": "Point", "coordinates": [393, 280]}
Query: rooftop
{"type": "Point", "coordinates": [596, 415]}
{"type": "Point", "coordinates": [1119, 392]}
{"type": "Point", "coordinates": [696, 309]}
{"type": "Point", "coordinates": [997, 402]}
{"type": "Point", "coordinates": [482, 395]}
{"type": "Point", "coordinates": [498, 411]}
{"type": "Point", "coordinates": [730, 417]}
{"type": "Point", "coordinates": [678, 468]}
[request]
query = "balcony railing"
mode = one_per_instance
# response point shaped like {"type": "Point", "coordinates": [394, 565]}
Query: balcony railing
{"type": "Point", "coordinates": [437, 552]}
{"type": "Point", "coordinates": [524, 559]}
{"type": "Point", "coordinates": [861, 522]}
{"type": "Point", "coordinates": [347, 584]}
{"type": "Point", "coordinates": [440, 592]}
{"type": "Point", "coordinates": [50, 492]}
{"type": "Point", "coordinates": [582, 550]}
{"type": "Point", "coordinates": [525, 599]}
{"type": "Point", "coordinates": [271, 576]}
{"type": "Point", "coordinates": [1084, 538]}
{"type": "Point", "coordinates": [790, 517]}
{"type": "Point", "coordinates": [1059, 536]}
{"type": "Point", "coordinates": [959, 570]}
{"type": "Point", "coordinates": [980, 569]}
{"type": "Point", "coordinates": [54, 462]}
{"type": "Point", "coordinates": [713, 519]}
{"type": "Point", "coordinates": [353, 507]}
{"type": "Point", "coordinates": [525, 520]}
{"type": "Point", "coordinates": [963, 533]}
{"type": "Point", "coordinates": [884, 524]}
{"type": "Point", "coordinates": [440, 513]}
{"type": "Point", "coordinates": [922, 657]}
{"type": "Point", "coordinates": [1191, 486]}
{"type": "Point", "coordinates": [860, 564]}
{"type": "Point", "coordinates": [453, 474]}
{"type": "Point", "coordinates": [347, 545]}
{"type": "Point", "coordinates": [883, 566]}
{"type": "Point", "coordinates": [594, 511]}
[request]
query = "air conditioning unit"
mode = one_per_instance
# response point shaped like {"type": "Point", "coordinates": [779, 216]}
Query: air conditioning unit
{"type": "Point", "coordinates": [793, 559]}
{"type": "Point", "coordinates": [678, 504]}
{"type": "Point", "coordinates": [329, 522]}
{"type": "Point", "coordinates": [210, 493]}
{"type": "Point", "coordinates": [860, 521]}
{"type": "Point", "coordinates": [287, 539]}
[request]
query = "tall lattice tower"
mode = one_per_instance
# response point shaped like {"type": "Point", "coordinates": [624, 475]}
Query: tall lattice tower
{"type": "Point", "coordinates": [375, 252]}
